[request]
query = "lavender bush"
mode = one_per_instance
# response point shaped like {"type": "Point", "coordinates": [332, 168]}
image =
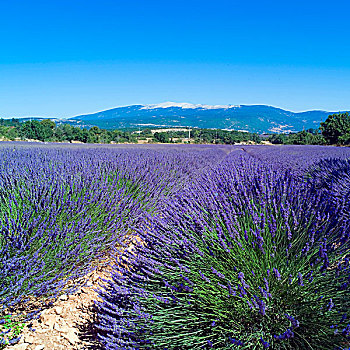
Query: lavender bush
{"type": "Point", "coordinates": [250, 257]}
{"type": "Point", "coordinates": [332, 175]}
{"type": "Point", "coordinates": [62, 206]}
{"type": "Point", "coordinates": [56, 216]}
{"type": "Point", "coordinates": [295, 158]}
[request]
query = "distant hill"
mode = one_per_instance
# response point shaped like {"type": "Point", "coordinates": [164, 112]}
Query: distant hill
{"type": "Point", "coordinates": [252, 118]}
{"type": "Point", "coordinates": [58, 121]}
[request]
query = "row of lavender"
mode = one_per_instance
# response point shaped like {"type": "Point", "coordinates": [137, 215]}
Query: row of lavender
{"type": "Point", "coordinates": [62, 206]}
{"type": "Point", "coordinates": [255, 254]}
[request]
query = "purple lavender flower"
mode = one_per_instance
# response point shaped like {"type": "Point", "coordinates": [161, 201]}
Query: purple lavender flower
{"type": "Point", "coordinates": [216, 225]}
{"type": "Point", "coordinates": [241, 279]}
{"type": "Point", "coordinates": [277, 274]}
{"type": "Point", "coordinates": [236, 342]}
{"type": "Point", "coordinates": [264, 343]}
{"type": "Point", "coordinates": [300, 279]}
{"type": "Point", "coordinates": [330, 305]}
{"type": "Point", "coordinates": [286, 335]}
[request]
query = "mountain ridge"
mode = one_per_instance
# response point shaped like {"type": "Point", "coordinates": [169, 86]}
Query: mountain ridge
{"type": "Point", "coordinates": [251, 118]}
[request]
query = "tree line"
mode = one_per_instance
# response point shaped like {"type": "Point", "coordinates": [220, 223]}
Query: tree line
{"type": "Point", "coordinates": [48, 131]}
{"type": "Point", "coordinates": [216, 136]}
{"type": "Point", "coordinates": [334, 131]}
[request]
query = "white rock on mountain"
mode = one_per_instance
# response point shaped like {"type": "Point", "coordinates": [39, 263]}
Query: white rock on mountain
{"type": "Point", "coordinates": [185, 105]}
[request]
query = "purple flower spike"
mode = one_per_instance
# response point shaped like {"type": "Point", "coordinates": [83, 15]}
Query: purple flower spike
{"type": "Point", "coordinates": [264, 343]}
{"type": "Point", "coordinates": [300, 279]}
{"type": "Point", "coordinates": [277, 274]}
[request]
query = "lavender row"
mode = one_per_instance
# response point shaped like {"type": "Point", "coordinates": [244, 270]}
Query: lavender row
{"type": "Point", "coordinates": [297, 159]}
{"type": "Point", "coordinates": [251, 256]}
{"type": "Point", "coordinates": [61, 207]}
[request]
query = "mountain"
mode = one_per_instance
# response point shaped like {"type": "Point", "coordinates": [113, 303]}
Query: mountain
{"type": "Point", "coordinates": [252, 118]}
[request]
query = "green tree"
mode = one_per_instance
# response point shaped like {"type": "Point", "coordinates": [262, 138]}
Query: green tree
{"type": "Point", "coordinates": [80, 134]}
{"type": "Point", "coordinates": [162, 137]}
{"type": "Point", "coordinates": [345, 139]}
{"type": "Point", "coordinates": [335, 128]}
{"type": "Point", "coordinates": [59, 133]}
{"type": "Point", "coordinates": [106, 136]}
{"type": "Point", "coordinates": [47, 130]}
{"type": "Point", "coordinates": [12, 133]}
{"type": "Point", "coordinates": [32, 130]}
{"type": "Point", "coordinates": [279, 139]}
{"type": "Point", "coordinates": [68, 132]}
{"type": "Point", "coordinates": [92, 138]}
{"type": "Point", "coordinates": [301, 138]}
{"type": "Point", "coordinates": [94, 135]}
{"type": "Point", "coordinates": [9, 122]}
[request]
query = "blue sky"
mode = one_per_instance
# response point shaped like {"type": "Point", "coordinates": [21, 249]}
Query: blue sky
{"type": "Point", "coordinates": [63, 58]}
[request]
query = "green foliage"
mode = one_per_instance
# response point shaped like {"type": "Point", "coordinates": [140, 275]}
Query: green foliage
{"type": "Point", "coordinates": [344, 139]}
{"type": "Point", "coordinates": [336, 129]}
{"type": "Point", "coordinates": [32, 130]}
{"type": "Point", "coordinates": [12, 328]}
{"type": "Point", "coordinates": [223, 136]}
{"type": "Point", "coordinates": [47, 129]}
{"type": "Point", "coordinates": [162, 137]}
{"type": "Point", "coordinates": [279, 139]}
{"type": "Point", "coordinates": [305, 137]}
{"type": "Point", "coordinates": [8, 132]}
{"type": "Point", "coordinates": [9, 122]}
{"type": "Point", "coordinates": [11, 133]}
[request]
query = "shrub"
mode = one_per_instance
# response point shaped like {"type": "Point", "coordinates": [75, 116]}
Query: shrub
{"type": "Point", "coordinates": [333, 177]}
{"type": "Point", "coordinates": [336, 128]}
{"type": "Point", "coordinates": [63, 206]}
{"type": "Point", "coordinates": [251, 258]}
{"type": "Point", "coordinates": [56, 216]}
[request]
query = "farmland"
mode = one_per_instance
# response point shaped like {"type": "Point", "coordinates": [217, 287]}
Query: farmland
{"type": "Point", "coordinates": [233, 248]}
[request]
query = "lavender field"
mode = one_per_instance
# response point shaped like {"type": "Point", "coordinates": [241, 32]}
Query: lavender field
{"type": "Point", "coordinates": [235, 247]}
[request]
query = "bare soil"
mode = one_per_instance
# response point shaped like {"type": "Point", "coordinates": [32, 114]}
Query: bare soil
{"type": "Point", "coordinates": [69, 322]}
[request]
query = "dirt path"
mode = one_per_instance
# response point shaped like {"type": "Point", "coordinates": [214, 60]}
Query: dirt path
{"type": "Point", "coordinates": [68, 324]}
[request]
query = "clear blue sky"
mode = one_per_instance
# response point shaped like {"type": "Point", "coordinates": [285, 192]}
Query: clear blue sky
{"type": "Point", "coordinates": [67, 57]}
